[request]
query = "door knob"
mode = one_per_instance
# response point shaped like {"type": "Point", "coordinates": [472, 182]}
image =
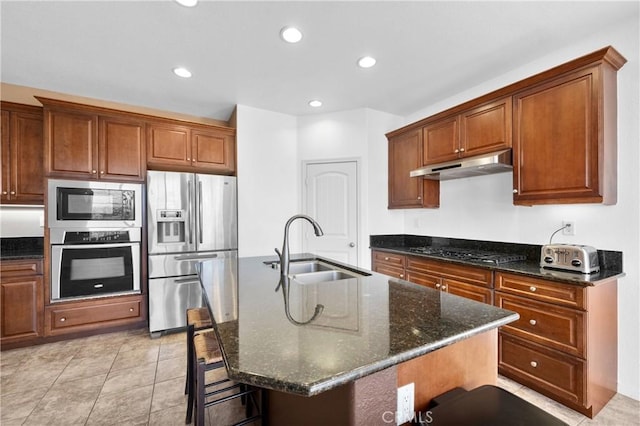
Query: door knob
{"type": "Point", "coordinates": [352, 244]}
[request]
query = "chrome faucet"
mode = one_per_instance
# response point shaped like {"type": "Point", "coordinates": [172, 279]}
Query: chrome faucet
{"type": "Point", "coordinates": [284, 255]}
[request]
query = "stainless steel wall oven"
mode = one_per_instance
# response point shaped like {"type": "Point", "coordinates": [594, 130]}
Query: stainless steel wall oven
{"type": "Point", "coordinates": [91, 263]}
{"type": "Point", "coordinates": [94, 232]}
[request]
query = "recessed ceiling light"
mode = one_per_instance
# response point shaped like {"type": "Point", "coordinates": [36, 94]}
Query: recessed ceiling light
{"type": "Point", "coordinates": [291, 34]}
{"type": "Point", "coordinates": [315, 103]}
{"type": "Point", "coordinates": [187, 3]}
{"type": "Point", "coordinates": [366, 62]}
{"type": "Point", "coordinates": [182, 72]}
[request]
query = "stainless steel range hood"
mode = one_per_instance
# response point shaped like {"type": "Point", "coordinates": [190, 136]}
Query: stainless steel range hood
{"type": "Point", "coordinates": [480, 165]}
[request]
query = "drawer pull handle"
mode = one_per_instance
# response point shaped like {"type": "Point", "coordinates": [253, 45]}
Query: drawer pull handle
{"type": "Point", "coordinates": [386, 258]}
{"type": "Point", "coordinates": [63, 319]}
{"type": "Point", "coordinates": [533, 322]}
{"type": "Point", "coordinates": [534, 364]}
{"type": "Point", "coordinates": [130, 309]}
{"type": "Point", "coordinates": [401, 275]}
{"type": "Point", "coordinates": [532, 288]}
{"type": "Point", "coordinates": [444, 287]}
{"type": "Point", "coordinates": [438, 285]}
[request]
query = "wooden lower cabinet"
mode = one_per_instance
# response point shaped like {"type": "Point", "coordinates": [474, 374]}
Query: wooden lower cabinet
{"type": "Point", "coordinates": [88, 315]}
{"type": "Point", "coordinates": [390, 264]}
{"type": "Point", "coordinates": [21, 302]}
{"type": "Point", "coordinates": [565, 343]}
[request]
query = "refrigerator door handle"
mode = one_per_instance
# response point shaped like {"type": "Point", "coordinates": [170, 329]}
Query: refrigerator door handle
{"type": "Point", "coordinates": [200, 211]}
{"type": "Point", "coordinates": [186, 280]}
{"type": "Point", "coordinates": [195, 257]}
{"type": "Point", "coordinates": [190, 210]}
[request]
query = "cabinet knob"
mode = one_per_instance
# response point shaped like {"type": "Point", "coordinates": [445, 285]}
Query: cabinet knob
{"type": "Point", "coordinates": [419, 198]}
{"type": "Point", "coordinates": [4, 192]}
{"type": "Point", "coordinates": [438, 285]}
{"type": "Point", "coordinates": [12, 192]}
{"type": "Point", "coordinates": [532, 288]}
{"type": "Point", "coordinates": [533, 322]}
{"type": "Point", "coordinates": [401, 275]}
{"type": "Point", "coordinates": [386, 258]}
{"type": "Point", "coordinates": [444, 287]}
{"type": "Point", "coordinates": [63, 319]}
{"type": "Point", "coordinates": [130, 309]}
{"type": "Point", "coordinates": [93, 172]}
{"type": "Point", "coordinates": [456, 151]}
{"type": "Point", "coordinates": [533, 364]}
{"type": "Point", "coordinates": [461, 149]}
{"type": "Point", "coordinates": [101, 172]}
{"type": "Point", "coordinates": [515, 191]}
{"type": "Point", "coordinates": [188, 158]}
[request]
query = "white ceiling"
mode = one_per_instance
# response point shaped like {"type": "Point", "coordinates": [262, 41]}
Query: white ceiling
{"type": "Point", "coordinates": [124, 51]}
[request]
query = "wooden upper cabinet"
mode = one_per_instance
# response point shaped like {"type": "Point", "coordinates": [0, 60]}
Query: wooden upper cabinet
{"type": "Point", "coordinates": [480, 130]}
{"type": "Point", "coordinates": [22, 154]}
{"type": "Point", "coordinates": [405, 152]}
{"type": "Point", "coordinates": [88, 142]}
{"type": "Point", "coordinates": [565, 145]}
{"type": "Point", "coordinates": [168, 145]}
{"type": "Point", "coordinates": [121, 148]}
{"type": "Point", "coordinates": [191, 148]}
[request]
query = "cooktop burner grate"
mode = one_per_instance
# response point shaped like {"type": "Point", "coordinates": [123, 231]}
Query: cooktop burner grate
{"type": "Point", "coordinates": [469, 254]}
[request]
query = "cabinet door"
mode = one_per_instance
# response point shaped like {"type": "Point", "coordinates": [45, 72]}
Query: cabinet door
{"type": "Point", "coordinates": [168, 145]}
{"type": "Point", "coordinates": [21, 299]}
{"type": "Point", "coordinates": [27, 152]}
{"type": "Point", "coordinates": [122, 149]}
{"type": "Point", "coordinates": [469, 291]}
{"type": "Point", "coordinates": [70, 144]}
{"type": "Point", "coordinates": [213, 151]}
{"type": "Point", "coordinates": [556, 158]}
{"type": "Point", "coordinates": [486, 128]}
{"type": "Point", "coordinates": [440, 141]}
{"type": "Point", "coordinates": [405, 153]}
{"type": "Point", "coordinates": [426, 280]}
{"type": "Point", "coordinates": [6, 155]}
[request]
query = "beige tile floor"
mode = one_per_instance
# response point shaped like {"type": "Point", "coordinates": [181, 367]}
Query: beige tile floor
{"type": "Point", "coordinates": [128, 378]}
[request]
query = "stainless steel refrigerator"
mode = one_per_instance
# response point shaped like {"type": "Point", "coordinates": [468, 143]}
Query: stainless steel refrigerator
{"type": "Point", "coordinates": [191, 218]}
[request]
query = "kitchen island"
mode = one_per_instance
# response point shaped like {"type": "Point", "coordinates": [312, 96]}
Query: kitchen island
{"type": "Point", "coordinates": [334, 352]}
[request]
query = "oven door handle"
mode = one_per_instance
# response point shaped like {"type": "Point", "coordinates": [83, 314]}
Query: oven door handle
{"type": "Point", "coordinates": [195, 257]}
{"type": "Point", "coordinates": [94, 246]}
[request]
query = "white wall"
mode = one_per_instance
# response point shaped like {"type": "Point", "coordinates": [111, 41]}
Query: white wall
{"type": "Point", "coordinates": [481, 207]}
{"type": "Point", "coordinates": [267, 179]}
{"type": "Point", "coordinates": [353, 135]}
{"type": "Point", "coordinates": [21, 221]}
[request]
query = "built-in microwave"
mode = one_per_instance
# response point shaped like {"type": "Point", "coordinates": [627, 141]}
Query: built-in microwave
{"type": "Point", "coordinates": [86, 204]}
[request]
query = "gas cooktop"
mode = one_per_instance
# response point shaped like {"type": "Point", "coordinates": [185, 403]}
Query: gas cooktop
{"type": "Point", "coordinates": [469, 254]}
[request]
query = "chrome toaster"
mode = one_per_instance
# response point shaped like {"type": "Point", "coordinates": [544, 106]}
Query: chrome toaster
{"type": "Point", "coordinates": [570, 257]}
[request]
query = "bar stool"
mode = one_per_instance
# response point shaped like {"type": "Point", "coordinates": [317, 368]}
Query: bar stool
{"type": "Point", "coordinates": [207, 357]}
{"type": "Point", "coordinates": [197, 319]}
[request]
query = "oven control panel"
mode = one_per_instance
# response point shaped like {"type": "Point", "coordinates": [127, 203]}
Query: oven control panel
{"type": "Point", "coordinates": [570, 257]}
{"type": "Point", "coordinates": [92, 237]}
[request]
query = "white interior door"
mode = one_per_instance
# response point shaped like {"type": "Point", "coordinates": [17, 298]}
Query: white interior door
{"type": "Point", "coordinates": [331, 197]}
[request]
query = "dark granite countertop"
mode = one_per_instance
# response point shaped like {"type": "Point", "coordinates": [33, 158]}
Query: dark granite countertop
{"type": "Point", "coordinates": [21, 248]}
{"type": "Point", "coordinates": [367, 324]}
{"type": "Point", "coordinates": [610, 261]}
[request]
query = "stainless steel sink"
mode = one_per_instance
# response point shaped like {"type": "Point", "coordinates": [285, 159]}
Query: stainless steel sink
{"type": "Point", "coordinates": [324, 276]}
{"type": "Point", "coordinates": [306, 266]}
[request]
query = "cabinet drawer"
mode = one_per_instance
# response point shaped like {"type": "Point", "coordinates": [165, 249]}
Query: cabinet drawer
{"type": "Point", "coordinates": [469, 291]}
{"type": "Point", "coordinates": [17, 268]}
{"type": "Point", "coordinates": [426, 280]}
{"type": "Point", "coordinates": [392, 271]}
{"type": "Point", "coordinates": [543, 290]}
{"type": "Point", "coordinates": [107, 313]}
{"type": "Point", "coordinates": [478, 276]}
{"type": "Point", "coordinates": [397, 260]}
{"type": "Point", "coordinates": [553, 371]}
{"type": "Point", "coordinates": [554, 326]}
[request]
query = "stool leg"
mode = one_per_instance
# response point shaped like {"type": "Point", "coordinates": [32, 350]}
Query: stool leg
{"type": "Point", "coordinates": [190, 384]}
{"type": "Point", "coordinates": [199, 390]}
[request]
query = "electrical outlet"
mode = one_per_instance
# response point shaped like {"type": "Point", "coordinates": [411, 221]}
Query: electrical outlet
{"type": "Point", "coordinates": [569, 227]}
{"type": "Point", "coordinates": [404, 412]}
